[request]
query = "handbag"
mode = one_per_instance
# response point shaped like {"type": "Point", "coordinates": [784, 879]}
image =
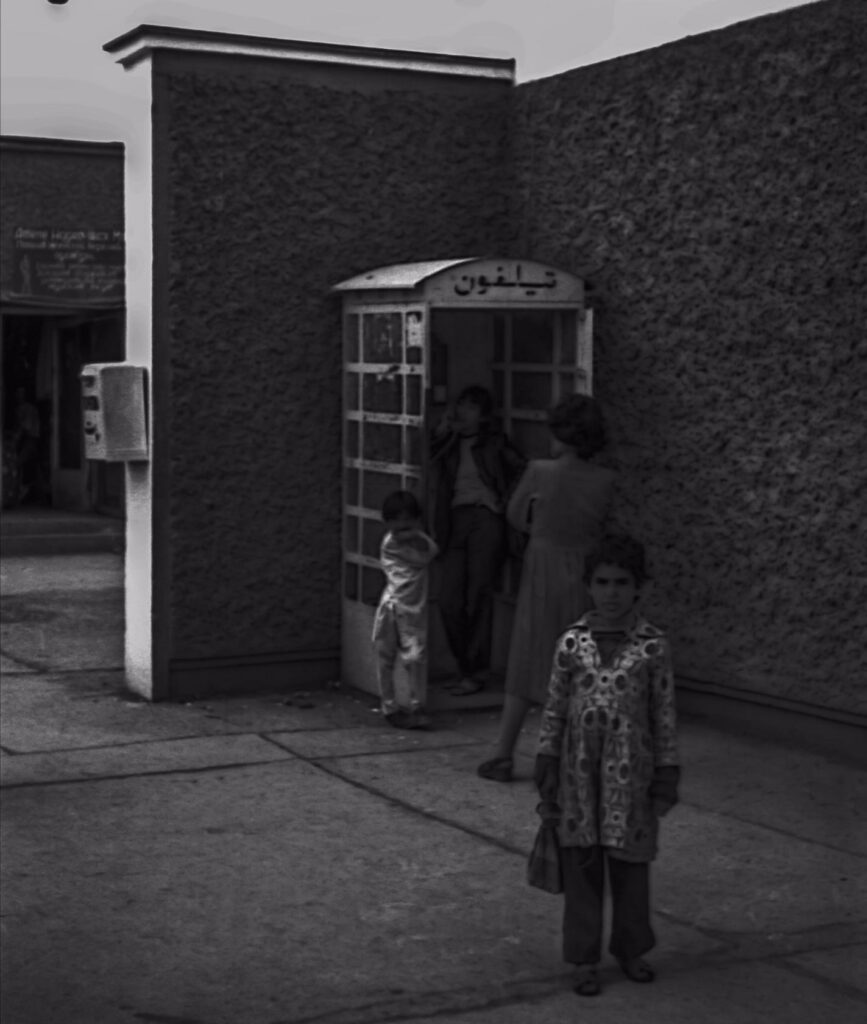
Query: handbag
{"type": "Point", "coordinates": [544, 870]}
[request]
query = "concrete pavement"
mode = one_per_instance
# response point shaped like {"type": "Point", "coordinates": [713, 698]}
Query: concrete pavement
{"type": "Point", "coordinates": [280, 860]}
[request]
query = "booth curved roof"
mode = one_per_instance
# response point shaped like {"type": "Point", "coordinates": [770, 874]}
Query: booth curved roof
{"type": "Point", "coordinates": [399, 275]}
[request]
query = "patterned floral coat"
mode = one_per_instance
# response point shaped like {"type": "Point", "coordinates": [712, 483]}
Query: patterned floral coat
{"type": "Point", "coordinates": [612, 725]}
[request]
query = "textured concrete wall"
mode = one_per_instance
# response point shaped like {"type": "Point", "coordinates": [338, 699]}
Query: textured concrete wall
{"type": "Point", "coordinates": [713, 191]}
{"type": "Point", "coordinates": [278, 190]}
{"type": "Point", "coordinates": [52, 184]}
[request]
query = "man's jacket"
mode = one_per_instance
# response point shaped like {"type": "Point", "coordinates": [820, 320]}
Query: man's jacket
{"type": "Point", "coordinates": [498, 461]}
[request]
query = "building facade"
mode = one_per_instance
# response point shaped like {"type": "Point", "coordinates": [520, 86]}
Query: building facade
{"type": "Point", "coordinates": [61, 305]}
{"type": "Point", "coordinates": [710, 195]}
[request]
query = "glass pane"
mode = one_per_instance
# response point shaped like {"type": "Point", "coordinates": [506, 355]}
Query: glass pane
{"type": "Point", "coordinates": [567, 385]}
{"type": "Point", "coordinates": [569, 342]}
{"type": "Point", "coordinates": [350, 533]}
{"type": "Point", "coordinates": [377, 487]}
{"type": "Point", "coordinates": [532, 338]}
{"type": "Point", "coordinates": [382, 442]}
{"type": "Point", "coordinates": [372, 582]}
{"type": "Point", "coordinates": [382, 394]}
{"type": "Point", "coordinates": [350, 580]}
{"type": "Point", "coordinates": [383, 338]}
{"type": "Point", "coordinates": [499, 338]}
{"type": "Point", "coordinates": [533, 439]}
{"type": "Point", "coordinates": [499, 392]}
{"type": "Point", "coordinates": [350, 477]}
{"type": "Point", "coordinates": [413, 446]}
{"type": "Point", "coordinates": [531, 390]}
{"type": "Point", "coordinates": [352, 451]}
{"type": "Point", "coordinates": [414, 337]}
{"type": "Point", "coordinates": [413, 394]}
{"type": "Point", "coordinates": [372, 532]}
{"type": "Point", "coordinates": [351, 391]}
{"type": "Point", "coordinates": [350, 334]}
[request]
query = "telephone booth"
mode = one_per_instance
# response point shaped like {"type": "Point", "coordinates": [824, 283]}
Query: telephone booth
{"type": "Point", "coordinates": [414, 335]}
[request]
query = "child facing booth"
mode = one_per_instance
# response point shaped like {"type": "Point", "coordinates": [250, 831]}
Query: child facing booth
{"type": "Point", "coordinates": [400, 626]}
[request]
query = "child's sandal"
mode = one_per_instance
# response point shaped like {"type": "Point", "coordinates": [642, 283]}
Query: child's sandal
{"type": "Point", "coordinates": [587, 981]}
{"type": "Point", "coordinates": [637, 970]}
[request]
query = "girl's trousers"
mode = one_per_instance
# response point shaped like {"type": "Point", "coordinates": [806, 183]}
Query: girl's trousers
{"type": "Point", "coordinates": [583, 888]}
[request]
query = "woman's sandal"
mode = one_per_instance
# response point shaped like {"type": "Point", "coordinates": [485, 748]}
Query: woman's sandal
{"type": "Point", "coordinates": [498, 769]}
{"type": "Point", "coordinates": [637, 970]}
{"type": "Point", "coordinates": [587, 981]}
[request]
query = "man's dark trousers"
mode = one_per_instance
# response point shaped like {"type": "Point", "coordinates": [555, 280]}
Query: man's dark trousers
{"type": "Point", "coordinates": [470, 567]}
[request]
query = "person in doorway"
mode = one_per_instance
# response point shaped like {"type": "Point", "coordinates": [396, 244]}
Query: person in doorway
{"type": "Point", "coordinates": [477, 469]}
{"type": "Point", "coordinates": [568, 499]}
{"type": "Point", "coordinates": [607, 758]}
{"type": "Point", "coordinates": [400, 624]}
{"type": "Point", "coordinates": [28, 430]}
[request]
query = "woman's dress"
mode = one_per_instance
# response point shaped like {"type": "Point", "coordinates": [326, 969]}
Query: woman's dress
{"type": "Point", "coordinates": [570, 500]}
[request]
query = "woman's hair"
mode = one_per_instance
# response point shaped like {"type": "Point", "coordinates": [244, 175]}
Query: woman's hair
{"type": "Point", "coordinates": [577, 421]}
{"type": "Point", "coordinates": [399, 504]}
{"type": "Point", "coordinates": [479, 396]}
{"type": "Point", "coordinates": [621, 550]}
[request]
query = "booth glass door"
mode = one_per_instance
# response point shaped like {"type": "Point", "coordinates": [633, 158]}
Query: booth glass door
{"type": "Point", "coordinates": [540, 356]}
{"type": "Point", "coordinates": [383, 451]}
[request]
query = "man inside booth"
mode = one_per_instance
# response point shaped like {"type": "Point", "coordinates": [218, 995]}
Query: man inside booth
{"type": "Point", "coordinates": [476, 468]}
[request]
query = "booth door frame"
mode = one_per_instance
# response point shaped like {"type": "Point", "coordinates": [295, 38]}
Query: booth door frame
{"type": "Point", "coordinates": [578, 368]}
{"type": "Point", "coordinates": [370, 400]}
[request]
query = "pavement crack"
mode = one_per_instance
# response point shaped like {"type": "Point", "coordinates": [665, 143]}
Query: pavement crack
{"type": "Point", "coordinates": [28, 663]}
{"type": "Point", "coordinates": [412, 809]}
{"type": "Point", "coordinates": [436, 1004]}
{"type": "Point", "coordinates": [835, 984]}
{"type": "Point", "coordinates": [774, 828]}
{"type": "Point", "coordinates": [131, 776]}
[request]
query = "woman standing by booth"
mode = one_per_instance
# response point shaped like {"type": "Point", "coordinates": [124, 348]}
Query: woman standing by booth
{"type": "Point", "coordinates": [563, 503]}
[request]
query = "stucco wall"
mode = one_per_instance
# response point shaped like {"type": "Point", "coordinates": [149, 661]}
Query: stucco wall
{"type": "Point", "coordinates": [713, 191]}
{"type": "Point", "coordinates": [278, 190]}
{"type": "Point", "coordinates": [56, 184]}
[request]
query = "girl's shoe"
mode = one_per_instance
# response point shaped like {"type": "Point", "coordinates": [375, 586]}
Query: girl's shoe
{"type": "Point", "coordinates": [498, 769]}
{"type": "Point", "coordinates": [587, 981]}
{"type": "Point", "coordinates": [638, 970]}
{"type": "Point", "coordinates": [419, 719]}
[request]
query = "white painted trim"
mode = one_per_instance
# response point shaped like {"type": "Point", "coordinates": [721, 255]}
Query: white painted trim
{"type": "Point", "coordinates": [138, 178]}
{"type": "Point", "coordinates": [143, 46]}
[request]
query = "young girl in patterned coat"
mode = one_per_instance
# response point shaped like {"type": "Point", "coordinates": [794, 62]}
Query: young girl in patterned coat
{"type": "Point", "coordinates": [608, 756]}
